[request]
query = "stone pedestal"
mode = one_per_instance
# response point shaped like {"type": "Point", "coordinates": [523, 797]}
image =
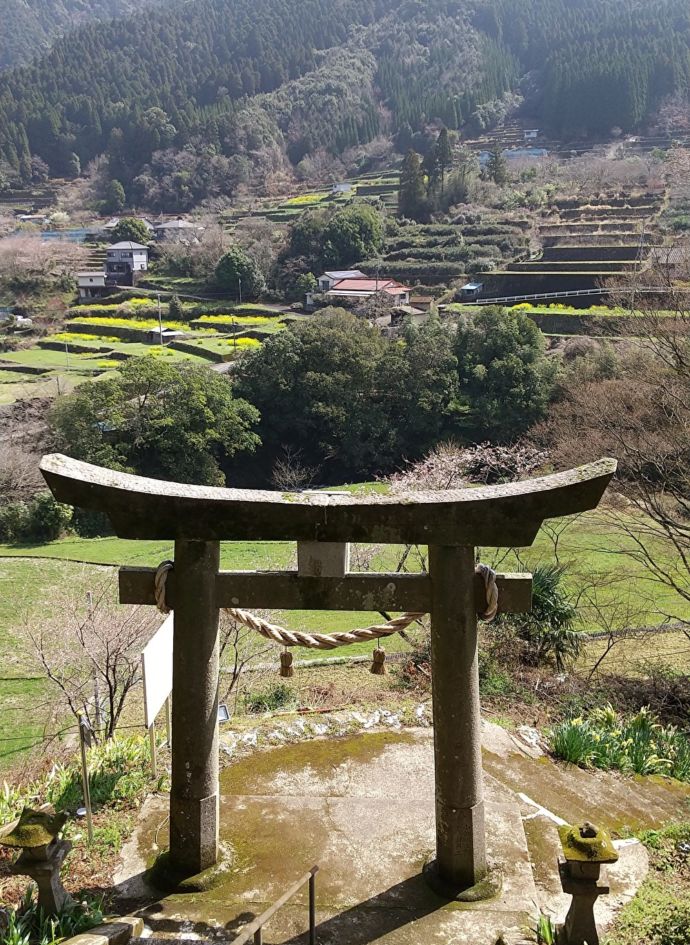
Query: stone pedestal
{"type": "Point", "coordinates": [42, 864]}
{"type": "Point", "coordinates": [586, 849]}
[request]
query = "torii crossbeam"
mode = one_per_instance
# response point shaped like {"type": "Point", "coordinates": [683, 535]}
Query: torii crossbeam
{"type": "Point", "coordinates": [452, 523]}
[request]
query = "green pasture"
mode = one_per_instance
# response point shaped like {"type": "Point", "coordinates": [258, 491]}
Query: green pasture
{"type": "Point", "coordinates": [596, 559]}
{"type": "Point", "coordinates": [610, 586]}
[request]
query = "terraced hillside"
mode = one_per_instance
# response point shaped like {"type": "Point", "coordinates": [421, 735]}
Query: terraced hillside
{"type": "Point", "coordinates": [584, 243]}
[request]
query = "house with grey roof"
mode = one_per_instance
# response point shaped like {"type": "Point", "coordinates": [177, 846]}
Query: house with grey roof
{"type": "Point", "coordinates": [125, 261]}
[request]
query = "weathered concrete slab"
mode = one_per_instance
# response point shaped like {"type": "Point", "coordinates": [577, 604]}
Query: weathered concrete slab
{"type": "Point", "coordinates": [362, 808]}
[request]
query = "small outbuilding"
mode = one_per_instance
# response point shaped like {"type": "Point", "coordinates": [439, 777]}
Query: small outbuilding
{"type": "Point", "coordinates": [155, 336]}
{"type": "Point", "coordinates": [471, 291]}
{"type": "Point", "coordinates": [91, 285]}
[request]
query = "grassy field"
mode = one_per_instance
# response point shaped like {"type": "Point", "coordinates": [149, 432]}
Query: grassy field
{"type": "Point", "coordinates": [595, 560]}
{"type": "Point", "coordinates": [612, 587]}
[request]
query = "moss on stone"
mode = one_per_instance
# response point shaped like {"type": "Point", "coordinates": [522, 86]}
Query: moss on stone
{"type": "Point", "coordinates": [168, 878]}
{"type": "Point", "coordinates": [34, 828]}
{"type": "Point", "coordinates": [580, 847]}
{"type": "Point", "coordinates": [261, 768]}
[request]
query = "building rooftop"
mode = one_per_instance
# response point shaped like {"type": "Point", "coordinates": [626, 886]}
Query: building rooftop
{"type": "Point", "coordinates": [340, 274]}
{"type": "Point", "coordinates": [127, 244]}
{"type": "Point", "coordinates": [370, 285]}
{"type": "Point", "coordinates": [178, 224]}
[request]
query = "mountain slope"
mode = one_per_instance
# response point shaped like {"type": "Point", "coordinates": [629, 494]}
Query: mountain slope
{"type": "Point", "coordinates": [30, 26]}
{"type": "Point", "coordinates": [259, 81]}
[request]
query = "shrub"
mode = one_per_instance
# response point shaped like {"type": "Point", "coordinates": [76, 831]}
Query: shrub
{"type": "Point", "coordinates": [547, 631]}
{"type": "Point", "coordinates": [14, 517]}
{"type": "Point", "coordinates": [47, 519]}
{"type": "Point", "coordinates": [29, 925]}
{"type": "Point", "coordinates": [277, 696]}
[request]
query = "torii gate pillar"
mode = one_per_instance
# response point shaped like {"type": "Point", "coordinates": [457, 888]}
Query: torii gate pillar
{"type": "Point", "coordinates": [460, 836]}
{"type": "Point", "coordinates": [194, 787]}
{"type": "Point", "coordinates": [453, 524]}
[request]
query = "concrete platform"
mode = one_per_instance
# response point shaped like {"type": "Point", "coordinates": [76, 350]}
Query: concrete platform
{"type": "Point", "coordinates": [361, 807]}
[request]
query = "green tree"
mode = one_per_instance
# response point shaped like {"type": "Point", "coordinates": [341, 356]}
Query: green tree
{"type": "Point", "coordinates": [443, 152]}
{"type": "Point", "coordinates": [497, 167]}
{"type": "Point", "coordinates": [306, 282]}
{"type": "Point", "coordinates": [322, 390]}
{"type": "Point", "coordinates": [239, 274]}
{"type": "Point", "coordinates": [175, 310]}
{"type": "Point", "coordinates": [115, 198]}
{"type": "Point", "coordinates": [412, 194]}
{"type": "Point", "coordinates": [172, 422]}
{"type": "Point", "coordinates": [74, 165]}
{"type": "Point", "coordinates": [505, 377]}
{"type": "Point", "coordinates": [424, 377]}
{"type": "Point", "coordinates": [130, 229]}
{"type": "Point", "coordinates": [352, 234]}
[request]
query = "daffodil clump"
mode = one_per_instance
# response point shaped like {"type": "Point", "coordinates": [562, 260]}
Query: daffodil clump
{"type": "Point", "coordinates": [637, 744]}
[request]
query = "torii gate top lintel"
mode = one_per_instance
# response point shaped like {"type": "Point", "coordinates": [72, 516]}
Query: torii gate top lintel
{"type": "Point", "coordinates": [500, 515]}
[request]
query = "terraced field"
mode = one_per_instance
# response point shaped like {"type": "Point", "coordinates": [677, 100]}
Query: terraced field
{"type": "Point", "coordinates": [101, 336]}
{"type": "Point", "coordinates": [584, 243]}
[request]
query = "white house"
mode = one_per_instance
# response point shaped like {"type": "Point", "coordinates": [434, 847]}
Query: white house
{"type": "Point", "coordinates": [91, 284]}
{"type": "Point", "coordinates": [364, 288]}
{"type": "Point", "coordinates": [124, 260]}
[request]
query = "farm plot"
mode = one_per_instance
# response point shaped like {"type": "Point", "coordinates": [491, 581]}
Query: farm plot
{"type": "Point", "coordinates": [585, 243]}
{"type": "Point", "coordinates": [434, 254]}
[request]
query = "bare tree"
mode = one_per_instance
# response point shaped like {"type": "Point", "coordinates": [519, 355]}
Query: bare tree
{"type": "Point", "coordinates": [239, 648]}
{"type": "Point", "coordinates": [19, 474]}
{"type": "Point", "coordinates": [641, 416]}
{"type": "Point", "coordinates": [90, 647]}
{"type": "Point", "coordinates": [290, 474]}
{"type": "Point", "coordinates": [23, 257]}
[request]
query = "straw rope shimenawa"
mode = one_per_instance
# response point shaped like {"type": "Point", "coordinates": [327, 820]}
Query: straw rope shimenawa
{"type": "Point", "coordinates": [328, 641]}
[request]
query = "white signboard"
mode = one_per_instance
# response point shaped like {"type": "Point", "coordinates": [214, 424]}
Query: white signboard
{"type": "Point", "coordinates": [156, 661]}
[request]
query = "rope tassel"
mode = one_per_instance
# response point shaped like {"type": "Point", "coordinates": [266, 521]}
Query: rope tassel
{"type": "Point", "coordinates": [378, 666]}
{"type": "Point", "coordinates": [286, 670]}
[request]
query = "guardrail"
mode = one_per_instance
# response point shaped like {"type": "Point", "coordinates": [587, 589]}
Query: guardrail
{"type": "Point", "coordinates": [255, 929]}
{"type": "Point", "coordinates": [571, 293]}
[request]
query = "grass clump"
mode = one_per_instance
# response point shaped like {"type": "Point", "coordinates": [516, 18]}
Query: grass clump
{"type": "Point", "coordinates": [277, 696]}
{"type": "Point", "coordinates": [660, 912]}
{"type": "Point", "coordinates": [637, 744]}
{"type": "Point", "coordinates": [29, 925]}
{"type": "Point", "coordinates": [119, 771]}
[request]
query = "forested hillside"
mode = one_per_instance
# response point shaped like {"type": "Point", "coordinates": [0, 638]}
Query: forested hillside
{"type": "Point", "coordinates": [29, 26]}
{"type": "Point", "coordinates": [256, 83]}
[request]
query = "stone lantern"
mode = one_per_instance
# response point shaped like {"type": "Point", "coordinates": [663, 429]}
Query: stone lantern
{"type": "Point", "coordinates": [36, 834]}
{"type": "Point", "coordinates": [586, 849]}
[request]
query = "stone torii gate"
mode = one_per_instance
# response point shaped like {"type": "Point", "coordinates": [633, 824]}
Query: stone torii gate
{"type": "Point", "coordinates": [452, 523]}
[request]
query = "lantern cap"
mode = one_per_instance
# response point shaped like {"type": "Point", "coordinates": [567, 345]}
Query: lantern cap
{"type": "Point", "coordinates": [587, 844]}
{"type": "Point", "coordinates": [33, 828]}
